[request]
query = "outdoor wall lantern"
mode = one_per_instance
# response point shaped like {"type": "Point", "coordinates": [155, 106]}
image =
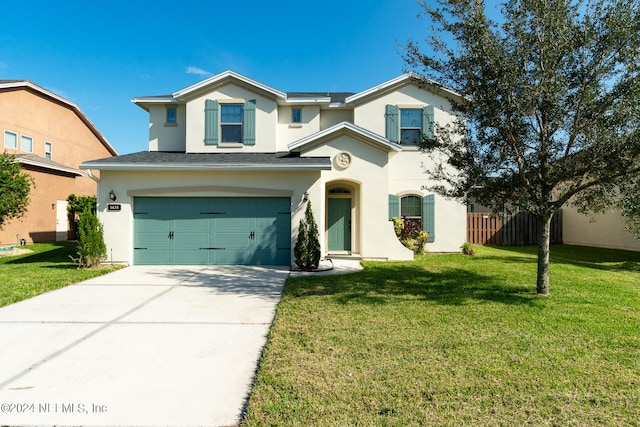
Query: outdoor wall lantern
{"type": "Point", "coordinates": [112, 196]}
{"type": "Point", "coordinates": [305, 196]}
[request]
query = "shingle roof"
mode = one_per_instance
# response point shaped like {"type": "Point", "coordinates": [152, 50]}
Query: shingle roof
{"type": "Point", "coordinates": [149, 160]}
{"type": "Point", "coordinates": [338, 97]}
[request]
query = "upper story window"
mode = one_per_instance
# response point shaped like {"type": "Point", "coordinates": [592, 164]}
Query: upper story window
{"type": "Point", "coordinates": [47, 150]}
{"type": "Point", "coordinates": [10, 140]}
{"type": "Point", "coordinates": [410, 126]}
{"type": "Point", "coordinates": [26, 144]}
{"type": "Point", "coordinates": [229, 122]}
{"type": "Point", "coordinates": [296, 115]}
{"type": "Point", "coordinates": [172, 116]}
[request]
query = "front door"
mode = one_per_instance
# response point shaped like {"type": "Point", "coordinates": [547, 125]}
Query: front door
{"type": "Point", "coordinates": [339, 224]}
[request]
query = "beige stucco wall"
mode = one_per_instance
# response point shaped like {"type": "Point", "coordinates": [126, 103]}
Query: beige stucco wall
{"type": "Point", "coordinates": [605, 231]}
{"type": "Point", "coordinates": [266, 121]}
{"type": "Point", "coordinates": [289, 132]}
{"type": "Point", "coordinates": [126, 185]}
{"type": "Point", "coordinates": [373, 237]}
{"type": "Point", "coordinates": [370, 114]}
{"type": "Point", "coordinates": [73, 142]}
{"type": "Point", "coordinates": [164, 137]}
{"type": "Point", "coordinates": [407, 176]}
{"type": "Point", "coordinates": [331, 117]}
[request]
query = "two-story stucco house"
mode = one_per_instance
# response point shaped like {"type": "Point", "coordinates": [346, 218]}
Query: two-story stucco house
{"type": "Point", "coordinates": [232, 163]}
{"type": "Point", "coordinates": [50, 136]}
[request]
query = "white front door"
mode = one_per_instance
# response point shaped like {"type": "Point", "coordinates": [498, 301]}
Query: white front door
{"type": "Point", "coordinates": [62, 221]}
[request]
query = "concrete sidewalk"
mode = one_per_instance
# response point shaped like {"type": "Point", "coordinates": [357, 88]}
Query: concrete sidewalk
{"type": "Point", "coordinates": [143, 346]}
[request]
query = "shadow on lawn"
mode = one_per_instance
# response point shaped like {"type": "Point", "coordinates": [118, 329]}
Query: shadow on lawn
{"type": "Point", "coordinates": [583, 256]}
{"type": "Point", "coordinates": [383, 283]}
{"type": "Point", "coordinates": [57, 252]}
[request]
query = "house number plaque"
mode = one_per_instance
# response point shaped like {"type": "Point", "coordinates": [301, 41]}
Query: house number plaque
{"type": "Point", "coordinates": [113, 207]}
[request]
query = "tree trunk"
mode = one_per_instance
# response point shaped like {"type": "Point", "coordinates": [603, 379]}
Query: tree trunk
{"type": "Point", "coordinates": [544, 236]}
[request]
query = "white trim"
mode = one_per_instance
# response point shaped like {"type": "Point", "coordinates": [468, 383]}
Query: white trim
{"type": "Point", "coordinates": [228, 74]}
{"type": "Point", "coordinates": [402, 79]}
{"type": "Point", "coordinates": [47, 165]}
{"type": "Point", "coordinates": [348, 126]}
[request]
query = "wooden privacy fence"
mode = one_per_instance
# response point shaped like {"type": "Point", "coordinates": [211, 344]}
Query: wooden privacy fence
{"type": "Point", "coordinates": [520, 229]}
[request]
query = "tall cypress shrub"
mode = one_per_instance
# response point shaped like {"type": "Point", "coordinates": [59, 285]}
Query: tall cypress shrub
{"type": "Point", "coordinates": [91, 248]}
{"type": "Point", "coordinates": [307, 248]}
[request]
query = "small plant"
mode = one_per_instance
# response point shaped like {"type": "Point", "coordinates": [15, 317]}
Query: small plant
{"type": "Point", "coordinates": [307, 248]}
{"type": "Point", "coordinates": [91, 248]}
{"type": "Point", "coordinates": [467, 249]}
{"type": "Point", "coordinates": [410, 233]}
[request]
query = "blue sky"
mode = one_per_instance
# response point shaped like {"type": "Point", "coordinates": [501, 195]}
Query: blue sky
{"type": "Point", "coordinates": [100, 54]}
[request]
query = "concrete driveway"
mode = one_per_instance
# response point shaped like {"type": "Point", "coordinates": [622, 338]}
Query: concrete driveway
{"type": "Point", "coordinates": [143, 346]}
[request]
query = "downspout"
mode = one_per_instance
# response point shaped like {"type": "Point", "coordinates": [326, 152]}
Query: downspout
{"type": "Point", "coordinates": [97, 180]}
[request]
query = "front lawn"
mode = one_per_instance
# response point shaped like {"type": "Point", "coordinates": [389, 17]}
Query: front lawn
{"type": "Point", "coordinates": [47, 268]}
{"type": "Point", "coordinates": [451, 340]}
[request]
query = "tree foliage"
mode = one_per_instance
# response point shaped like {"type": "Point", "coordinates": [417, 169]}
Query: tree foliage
{"type": "Point", "coordinates": [307, 249]}
{"type": "Point", "coordinates": [78, 204]}
{"type": "Point", "coordinates": [15, 187]}
{"type": "Point", "coordinates": [550, 96]}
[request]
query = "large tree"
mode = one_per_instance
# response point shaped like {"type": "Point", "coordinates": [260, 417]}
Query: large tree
{"type": "Point", "coordinates": [551, 99]}
{"type": "Point", "coordinates": [15, 186]}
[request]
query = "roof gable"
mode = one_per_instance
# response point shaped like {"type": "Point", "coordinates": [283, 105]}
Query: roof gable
{"type": "Point", "coordinates": [40, 91]}
{"type": "Point", "coordinates": [400, 81]}
{"type": "Point", "coordinates": [345, 128]}
{"type": "Point", "coordinates": [224, 78]}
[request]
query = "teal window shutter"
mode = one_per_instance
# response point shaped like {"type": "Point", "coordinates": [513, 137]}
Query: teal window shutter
{"type": "Point", "coordinates": [394, 206]}
{"type": "Point", "coordinates": [392, 125]}
{"type": "Point", "coordinates": [428, 216]}
{"type": "Point", "coordinates": [427, 121]}
{"type": "Point", "coordinates": [249, 122]}
{"type": "Point", "coordinates": [211, 122]}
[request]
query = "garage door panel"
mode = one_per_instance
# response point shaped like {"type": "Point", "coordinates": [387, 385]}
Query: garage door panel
{"type": "Point", "coordinates": [192, 257]}
{"type": "Point", "coordinates": [212, 230]}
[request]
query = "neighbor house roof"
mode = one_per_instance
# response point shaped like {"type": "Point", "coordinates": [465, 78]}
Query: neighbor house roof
{"type": "Point", "coordinates": [161, 160]}
{"type": "Point", "coordinates": [30, 86]}
{"type": "Point", "coordinates": [41, 162]}
{"type": "Point", "coordinates": [345, 128]}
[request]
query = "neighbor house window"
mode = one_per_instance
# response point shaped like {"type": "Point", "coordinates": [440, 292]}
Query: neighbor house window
{"type": "Point", "coordinates": [296, 115]}
{"type": "Point", "coordinates": [231, 122]}
{"type": "Point", "coordinates": [47, 150]}
{"type": "Point", "coordinates": [410, 126]}
{"type": "Point", "coordinates": [26, 144]}
{"type": "Point", "coordinates": [172, 117]}
{"type": "Point", "coordinates": [10, 140]}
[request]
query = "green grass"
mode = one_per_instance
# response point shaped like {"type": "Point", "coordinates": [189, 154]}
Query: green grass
{"type": "Point", "coordinates": [452, 340]}
{"type": "Point", "coordinates": [47, 268]}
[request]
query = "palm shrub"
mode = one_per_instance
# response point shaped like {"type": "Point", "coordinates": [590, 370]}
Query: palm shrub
{"type": "Point", "coordinates": [91, 248]}
{"type": "Point", "coordinates": [307, 248]}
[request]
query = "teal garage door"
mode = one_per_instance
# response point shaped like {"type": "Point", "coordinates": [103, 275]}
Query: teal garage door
{"type": "Point", "coordinates": [203, 231]}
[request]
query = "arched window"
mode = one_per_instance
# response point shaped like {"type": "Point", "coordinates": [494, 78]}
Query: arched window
{"type": "Point", "coordinates": [411, 207]}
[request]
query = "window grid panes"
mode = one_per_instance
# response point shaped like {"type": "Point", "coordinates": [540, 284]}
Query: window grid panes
{"type": "Point", "coordinates": [10, 140]}
{"type": "Point", "coordinates": [26, 144]}
{"type": "Point", "coordinates": [47, 150]}
{"type": "Point", "coordinates": [410, 126]}
{"type": "Point", "coordinates": [231, 122]}
{"type": "Point", "coordinates": [411, 206]}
